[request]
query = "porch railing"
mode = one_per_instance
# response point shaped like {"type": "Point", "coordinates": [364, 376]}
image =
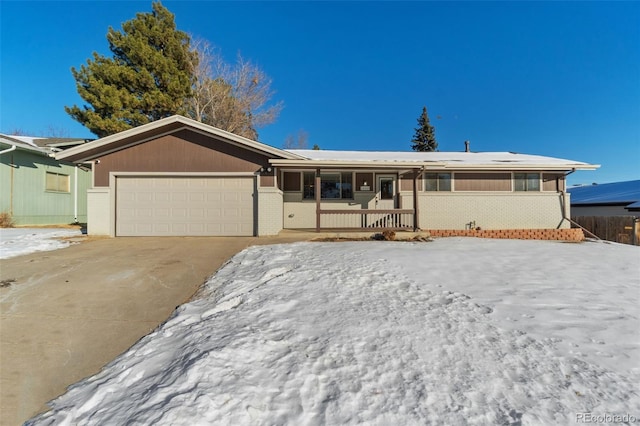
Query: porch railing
{"type": "Point", "coordinates": [366, 219]}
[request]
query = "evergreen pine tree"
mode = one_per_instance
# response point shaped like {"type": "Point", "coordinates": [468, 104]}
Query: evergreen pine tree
{"type": "Point", "coordinates": [425, 136]}
{"type": "Point", "coordinates": [148, 78]}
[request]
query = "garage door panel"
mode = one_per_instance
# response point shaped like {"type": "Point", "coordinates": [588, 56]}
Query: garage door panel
{"type": "Point", "coordinates": [184, 206]}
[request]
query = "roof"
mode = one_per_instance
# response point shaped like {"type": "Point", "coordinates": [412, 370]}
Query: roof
{"type": "Point", "coordinates": [39, 144]}
{"type": "Point", "coordinates": [621, 193]}
{"type": "Point", "coordinates": [60, 143]}
{"type": "Point", "coordinates": [140, 134]}
{"type": "Point", "coordinates": [323, 158]}
{"type": "Point", "coordinates": [24, 143]}
{"type": "Point", "coordinates": [458, 160]}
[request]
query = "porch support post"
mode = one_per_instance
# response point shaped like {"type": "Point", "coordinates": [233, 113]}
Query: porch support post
{"type": "Point", "coordinates": [416, 224]}
{"type": "Point", "coordinates": [317, 194]}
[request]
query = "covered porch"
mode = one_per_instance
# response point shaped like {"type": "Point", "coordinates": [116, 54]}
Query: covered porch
{"type": "Point", "coordinates": [332, 197]}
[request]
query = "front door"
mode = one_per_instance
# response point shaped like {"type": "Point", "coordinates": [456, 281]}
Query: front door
{"type": "Point", "coordinates": [386, 195]}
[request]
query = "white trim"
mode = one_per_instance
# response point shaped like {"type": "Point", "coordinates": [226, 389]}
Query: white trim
{"type": "Point", "coordinates": [186, 174]}
{"type": "Point", "coordinates": [353, 164]}
{"type": "Point", "coordinates": [429, 165]}
{"type": "Point", "coordinates": [524, 167]}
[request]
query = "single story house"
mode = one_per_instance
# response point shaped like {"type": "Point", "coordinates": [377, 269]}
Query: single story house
{"type": "Point", "coordinates": [607, 199]}
{"type": "Point", "coordinates": [179, 177]}
{"type": "Point", "coordinates": [36, 188]}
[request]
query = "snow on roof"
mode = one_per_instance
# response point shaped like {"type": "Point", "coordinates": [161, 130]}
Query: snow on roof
{"type": "Point", "coordinates": [29, 140]}
{"type": "Point", "coordinates": [466, 158]}
{"type": "Point", "coordinates": [606, 193]}
{"type": "Point", "coordinates": [23, 142]}
{"type": "Point", "coordinates": [40, 144]}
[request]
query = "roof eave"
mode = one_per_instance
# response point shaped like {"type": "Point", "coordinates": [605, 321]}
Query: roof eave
{"type": "Point", "coordinates": [354, 164]}
{"type": "Point", "coordinates": [428, 165]}
{"type": "Point", "coordinates": [518, 166]}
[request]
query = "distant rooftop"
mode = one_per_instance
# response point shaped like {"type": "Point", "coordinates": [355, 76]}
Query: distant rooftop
{"type": "Point", "coordinates": [617, 193]}
{"type": "Point", "coordinates": [41, 144]}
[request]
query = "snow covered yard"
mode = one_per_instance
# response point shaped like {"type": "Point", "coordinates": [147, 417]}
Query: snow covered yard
{"type": "Point", "coordinates": [20, 241]}
{"type": "Point", "coordinates": [457, 331]}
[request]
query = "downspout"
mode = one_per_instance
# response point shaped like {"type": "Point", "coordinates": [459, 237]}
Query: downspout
{"type": "Point", "coordinates": [564, 208]}
{"type": "Point", "coordinates": [564, 195]}
{"type": "Point", "coordinates": [75, 195]}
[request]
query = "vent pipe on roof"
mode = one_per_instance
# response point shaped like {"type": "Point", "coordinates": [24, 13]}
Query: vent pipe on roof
{"type": "Point", "coordinates": [466, 146]}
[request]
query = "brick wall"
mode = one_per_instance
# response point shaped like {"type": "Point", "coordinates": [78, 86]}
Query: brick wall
{"type": "Point", "coordinates": [516, 234]}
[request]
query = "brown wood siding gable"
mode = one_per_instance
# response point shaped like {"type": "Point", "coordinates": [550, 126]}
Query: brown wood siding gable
{"type": "Point", "coordinates": [183, 151]}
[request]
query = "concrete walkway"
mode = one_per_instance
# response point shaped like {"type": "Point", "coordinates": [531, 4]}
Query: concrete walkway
{"type": "Point", "coordinates": [67, 313]}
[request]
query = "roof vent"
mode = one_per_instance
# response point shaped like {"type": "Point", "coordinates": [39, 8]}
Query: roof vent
{"type": "Point", "coordinates": [466, 146]}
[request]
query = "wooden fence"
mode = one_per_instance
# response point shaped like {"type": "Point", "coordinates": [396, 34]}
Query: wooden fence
{"type": "Point", "coordinates": [621, 229]}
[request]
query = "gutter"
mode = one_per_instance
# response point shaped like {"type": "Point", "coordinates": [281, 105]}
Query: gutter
{"type": "Point", "coordinates": [442, 165]}
{"type": "Point", "coordinates": [13, 148]}
{"type": "Point", "coordinates": [367, 164]}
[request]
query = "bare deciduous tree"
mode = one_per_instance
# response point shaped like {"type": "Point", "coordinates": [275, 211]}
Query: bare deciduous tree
{"type": "Point", "coordinates": [298, 142]}
{"type": "Point", "coordinates": [56, 132]}
{"type": "Point", "coordinates": [231, 97]}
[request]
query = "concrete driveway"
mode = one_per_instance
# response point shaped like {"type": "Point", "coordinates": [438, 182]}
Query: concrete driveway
{"type": "Point", "coordinates": [67, 313]}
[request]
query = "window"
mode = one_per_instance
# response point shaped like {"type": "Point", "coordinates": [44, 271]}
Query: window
{"type": "Point", "coordinates": [333, 186]}
{"type": "Point", "coordinates": [57, 182]}
{"type": "Point", "coordinates": [308, 185]}
{"type": "Point", "coordinates": [437, 182]}
{"type": "Point", "coordinates": [336, 186]}
{"type": "Point", "coordinates": [526, 181]}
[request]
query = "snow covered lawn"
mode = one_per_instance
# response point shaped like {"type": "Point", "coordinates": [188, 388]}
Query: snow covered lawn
{"type": "Point", "coordinates": [21, 241]}
{"type": "Point", "coordinates": [457, 331]}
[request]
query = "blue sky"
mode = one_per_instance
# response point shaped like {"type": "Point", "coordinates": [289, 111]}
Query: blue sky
{"type": "Point", "coordinates": [560, 79]}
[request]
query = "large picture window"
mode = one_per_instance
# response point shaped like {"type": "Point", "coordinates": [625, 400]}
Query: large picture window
{"type": "Point", "coordinates": [333, 186]}
{"type": "Point", "coordinates": [526, 181]}
{"type": "Point", "coordinates": [437, 182]}
{"type": "Point", "coordinates": [57, 182]}
{"type": "Point", "coordinates": [336, 186]}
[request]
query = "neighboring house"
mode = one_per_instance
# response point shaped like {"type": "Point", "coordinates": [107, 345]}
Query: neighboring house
{"type": "Point", "coordinates": [607, 199]}
{"type": "Point", "coordinates": [177, 176]}
{"type": "Point", "coordinates": [37, 189]}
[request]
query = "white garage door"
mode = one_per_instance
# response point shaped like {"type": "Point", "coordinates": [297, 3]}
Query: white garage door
{"type": "Point", "coordinates": [184, 206]}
